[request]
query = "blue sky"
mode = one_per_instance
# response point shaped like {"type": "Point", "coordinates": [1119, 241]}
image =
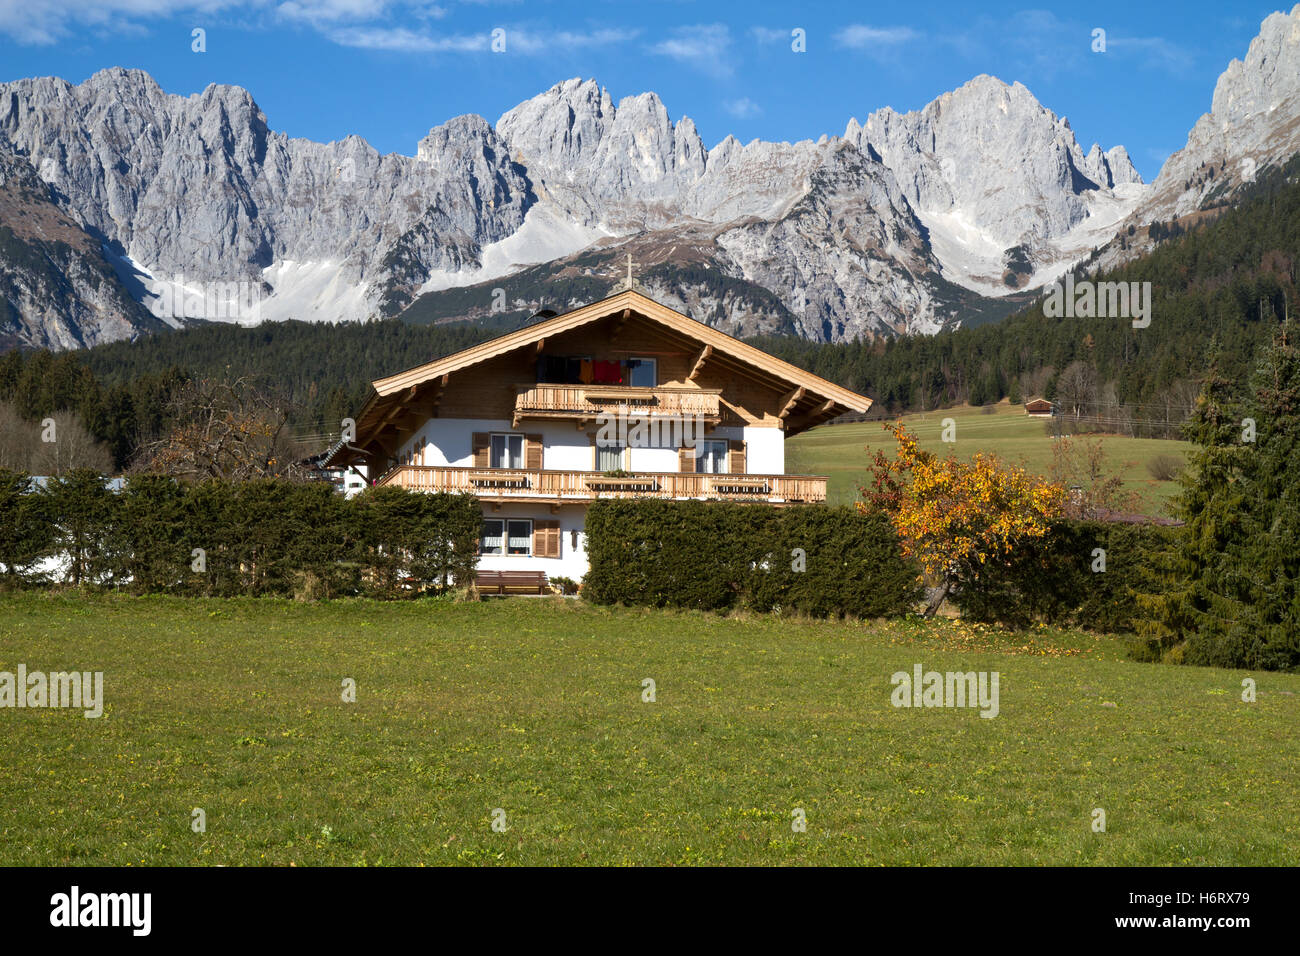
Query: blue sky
{"type": "Point", "coordinates": [389, 70]}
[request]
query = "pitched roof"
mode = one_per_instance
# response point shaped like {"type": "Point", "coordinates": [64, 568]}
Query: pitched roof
{"type": "Point", "coordinates": [642, 305]}
{"type": "Point", "coordinates": [834, 399]}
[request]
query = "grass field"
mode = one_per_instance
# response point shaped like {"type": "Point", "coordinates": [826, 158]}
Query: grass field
{"type": "Point", "coordinates": [839, 451]}
{"type": "Point", "coordinates": [534, 707]}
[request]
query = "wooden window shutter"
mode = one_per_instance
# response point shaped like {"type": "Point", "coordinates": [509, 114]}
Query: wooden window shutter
{"type": "Point", "coordinates": [736, 456]}
{"type": "Point", "coordinates": [686, 460]}
{"type": "Point", "coordinates": [480, 443]}
{"type": "Point", "coordinates": [546, 539]}
{"type": "Point", "coordinates": [533, 452]}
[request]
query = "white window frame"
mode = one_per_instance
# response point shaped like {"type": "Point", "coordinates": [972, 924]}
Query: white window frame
{"type": "Point", "coordinates": [528, 548]}
{"type": "Point", "coordinates": [492, 456]}
{"type": "Point", "coordinates": [504, 549]}
{"type": "Point", "coordinates": [483, 536]}
{"type": "Point", "coordinates": [701, 456]}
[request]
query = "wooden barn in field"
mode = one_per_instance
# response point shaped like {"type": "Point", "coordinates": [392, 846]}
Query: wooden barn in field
{"type": "Point", "coordinates": [1039, 408]}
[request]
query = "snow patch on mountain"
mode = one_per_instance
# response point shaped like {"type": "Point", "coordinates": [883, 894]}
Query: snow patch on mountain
{"type": "Point", "coordinates": [546, 234]}
{"type": "Point", "coordinates": [317, 291]}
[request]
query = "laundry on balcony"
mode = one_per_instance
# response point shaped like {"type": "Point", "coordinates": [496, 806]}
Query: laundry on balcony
{"type": "Point", "coordinates": [608, 373]}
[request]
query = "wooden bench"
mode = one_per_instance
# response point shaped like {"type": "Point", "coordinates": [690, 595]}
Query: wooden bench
{"type": "Point", "coordinates": [508, 582]}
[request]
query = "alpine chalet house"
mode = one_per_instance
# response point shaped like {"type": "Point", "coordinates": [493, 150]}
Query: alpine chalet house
{"type": "Point", "coordinates": [621, 398]}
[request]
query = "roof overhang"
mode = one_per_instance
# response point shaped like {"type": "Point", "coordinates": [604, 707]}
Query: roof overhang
{"type": "Point", "coordinates": [808, 399]}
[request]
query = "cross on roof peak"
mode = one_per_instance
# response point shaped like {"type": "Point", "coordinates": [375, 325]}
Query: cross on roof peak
{"type": "Point", "coordinates": [628, 284]}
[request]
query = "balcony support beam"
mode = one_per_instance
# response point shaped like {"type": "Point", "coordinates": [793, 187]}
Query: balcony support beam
{"type": "Point", "coordinates": [699, 363]}
{"type": "Point", "coordinates": [437, 395]}
{"type": "Point", "coordinates": [815, 417]}
{"type": "Point", "coordinates": [789, 401]}
{"type": "Point", "coordinates": [619, 323]}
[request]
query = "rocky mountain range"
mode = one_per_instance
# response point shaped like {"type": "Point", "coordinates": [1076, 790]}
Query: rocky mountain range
{"type": "Point", "coordinates": [1253, 123]}
{"type": "Point", "coordinates": [145, 208]}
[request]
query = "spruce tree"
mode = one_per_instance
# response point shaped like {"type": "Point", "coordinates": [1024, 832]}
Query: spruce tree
{"type": "Point", "coordinates": [1266, 557]}
{"type": "Point", "coordinates": [1189, 605]}
{"type": "Point", "coordinates": [1230, 584]}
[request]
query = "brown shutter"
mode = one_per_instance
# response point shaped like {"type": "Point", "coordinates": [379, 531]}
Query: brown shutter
{"type": "Point", "coordinates": [686, 460]}
{"type": "Point", "coordinates": [533, 452]}
{"type": "Point", "coordinates": [546, 539]}
{"type": "Point", "coordinates": [480, 443]}
{"type": "Point", "coordinates": [736, 457]}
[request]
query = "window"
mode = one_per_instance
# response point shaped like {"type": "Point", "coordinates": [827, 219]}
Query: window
{"type": "Point", "coordinates": [493, 532]}
{"type": "Point", "coordinates": [609, 457]}
{"type": "Point", "coordinates": [711, 457]}
{"type": "Point", "coordinates": [519, 536]}
{"type": "Point", "coordinates": [507, 451]}
{"type": "Point", "coordinates": [642, 373]}
{"type": "Point", "coordinates": [507, 536]}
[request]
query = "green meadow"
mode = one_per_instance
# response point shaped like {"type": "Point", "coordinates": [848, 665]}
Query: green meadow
{"type": "Point", "coordinates": [842, 452]}
{"type": "Point", "coordinates": [535, 708]}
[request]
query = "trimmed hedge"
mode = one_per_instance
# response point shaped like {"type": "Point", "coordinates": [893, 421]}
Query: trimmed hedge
{"type": "Point", "coordinates": [1051, 580]}
{"type": "Point", "coordinates": [720, 555]}
{"type": "Point", "coordinates": [26, 534]}
{"type": "Point", "coordinates": [264, 537]}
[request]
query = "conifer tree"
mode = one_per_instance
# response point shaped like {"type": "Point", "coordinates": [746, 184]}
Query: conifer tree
{"type": "Point", "coordinates": [1264, 559]}
{"type": "Point", "coordinates": [1229, 585]}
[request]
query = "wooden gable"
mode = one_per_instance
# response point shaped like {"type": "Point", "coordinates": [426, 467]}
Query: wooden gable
{"type": "Point", "coordinates": [484, 381]}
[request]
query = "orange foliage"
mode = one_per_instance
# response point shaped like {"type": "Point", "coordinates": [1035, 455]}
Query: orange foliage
{"type": "Point", "coordinates": [952, 514]}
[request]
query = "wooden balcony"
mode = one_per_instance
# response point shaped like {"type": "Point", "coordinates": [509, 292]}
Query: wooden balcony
{"type": "Point", "coordinates": [491, 484]}
{"type": "Point", "coordinates": [586, 402]}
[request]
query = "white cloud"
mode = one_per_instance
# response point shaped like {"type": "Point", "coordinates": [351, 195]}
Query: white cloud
{"type": "Point", "coordinates": [527, 42]}
{"type": "Point", "coordinates": [705, 47]}
{"type": "Point", "coordinates": [406, 41]}
{"type": "Point", "coordinates": [768, 35]}
{"type": "Point", "coordinates": [331, 11]}
{"type": "Point", "coordinates": [743, 108]}
{"type": "Point", "coordinates": [393, 25]}
{"type": "Point", "coordinates": [43, 22]}
{"type": "Point", "coordinates": [1155, 51]}
{"type": "Point", "coordinates": [859, 36]}
{"type": "Point", "coordinates": [532, 41]}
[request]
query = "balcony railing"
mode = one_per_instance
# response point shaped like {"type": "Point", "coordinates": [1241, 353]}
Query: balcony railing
{"type": "Point", "coordinates": [513, 484]}
{"type": "Point", "coordinates": [588, 401]}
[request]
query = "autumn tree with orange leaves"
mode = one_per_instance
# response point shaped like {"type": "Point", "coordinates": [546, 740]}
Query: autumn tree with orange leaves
{"type": "Point", "coordinates": [954, 516]}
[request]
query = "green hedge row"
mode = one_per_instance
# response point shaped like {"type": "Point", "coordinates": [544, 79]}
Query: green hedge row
{"type": "Point", "coordinates": [217, 538]}
{"type": "Point", "coordinates": [1052, 579]}
{"type": "Point", "coordinates": [815, 559]}
{"type": "Point", "coordinates": [716, 556]}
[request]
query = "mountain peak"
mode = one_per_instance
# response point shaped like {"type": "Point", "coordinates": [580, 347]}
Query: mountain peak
{"type": "Point", "coordinates": [1254, 121]}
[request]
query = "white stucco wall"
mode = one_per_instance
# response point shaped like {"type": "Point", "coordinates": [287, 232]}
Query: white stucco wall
{"type": "Point", "coordinates": [765, 450]}
{"type": "Point", "coordinates": [654, 459]}
{"type": "Point", "coordinates": [446, 442]}
{"type": "Point", "coordinates": [571, 563]}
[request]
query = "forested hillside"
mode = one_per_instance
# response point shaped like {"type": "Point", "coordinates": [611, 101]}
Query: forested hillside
{"type": "Point", "coordinates": [121, 391]}
{"type": "Point", "coordinates": [1228, 282]}
{"type": "Point", "coordinates": [1222, 287]}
